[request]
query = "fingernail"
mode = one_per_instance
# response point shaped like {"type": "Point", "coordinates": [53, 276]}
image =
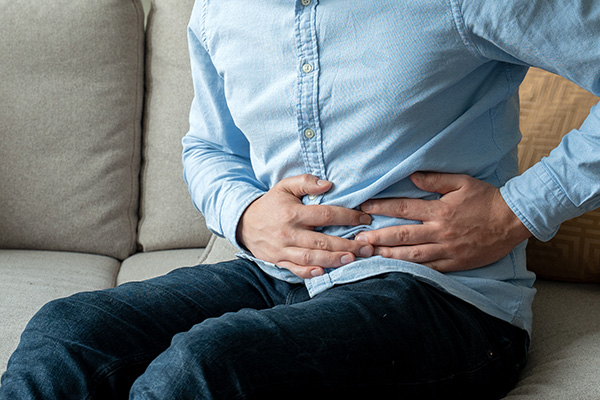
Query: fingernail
{"type": "Point", "coordinates": [316, 272]}
{"type": "Point", "coordinates": [346, 259]}
{"type": "Point", "coordinates": [322, 182]}
{"type": "Point", "coordinates": [365, 219]}
{"type": "Point", "coordinates": [366, 206]}
{"type": "Point", "coordinates": [361, 238]}
{"type": "Point", "coordinates": [366, 251]}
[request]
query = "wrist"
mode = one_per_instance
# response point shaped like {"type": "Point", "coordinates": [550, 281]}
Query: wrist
{"type": "Point", "coordinates": [240, 231]}
{"type": "Point", "coordinates": [515, 228]}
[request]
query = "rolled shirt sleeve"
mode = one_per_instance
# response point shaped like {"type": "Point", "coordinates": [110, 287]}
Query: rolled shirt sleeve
{"type": "Point", "coordinates": [216, 159]}
{"type": "Point", "coordinates": [562, 37]}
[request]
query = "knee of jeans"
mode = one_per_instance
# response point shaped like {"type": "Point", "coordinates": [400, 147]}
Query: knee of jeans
{"type": "Point", "coordinates": [222, 344]}
{"type": "Point", "coordinates": [198, 364]}
{"type": "Point", "coordinates": [61, 317]}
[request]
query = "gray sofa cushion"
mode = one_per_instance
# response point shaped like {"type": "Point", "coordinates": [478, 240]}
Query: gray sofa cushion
{"type": "Point", "coordinates": [168, 219]}
{"type": "Point", "coordinates": [71, 98]}
{"type": "Point", "coordinates": [564, 357]}
{"type": "Point", "coordinates": [32, 278]}
{"type": "Point", "coordinates": [151, 264]}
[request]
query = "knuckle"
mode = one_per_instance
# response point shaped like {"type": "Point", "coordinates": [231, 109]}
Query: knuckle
{"type": "Point", "coordinates": [402, 235]}
{"type": "Point", "coordinates": [446, 212]}
{"type": "Point", "coordinates": [416, 254]}
{"type": "Point", "coordinates": [306, 179]}
{"type": "Point", "coordinates": [288, 215]}
{"type": "Point", "coordinates": [385, 252]}
{"type": "Point", "coordinates": [327, 215]}
{"type": "Point", "coordinates": [307, 258]}
{"type": "Point", "coordinates": [446, 235]}
{"type": "Point", "coordinates": [321, 244]}
{"type": "Point", "coordinates": [401, 207]}
{"type": "Point", "coordinates": [372, 237]}
{"type": "Point", "coordinates": [284, 236]}
{"type": "Point", "coordinates": [432, 178]}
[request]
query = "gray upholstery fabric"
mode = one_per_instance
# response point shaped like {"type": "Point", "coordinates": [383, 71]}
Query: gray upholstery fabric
{"type": "Point", "coordinates": [217, 250]}
{"type": "Point", "coordinates": [168, 220]}
{"type": "Point", "coordinates": [156, 263]}
{"type": "Point", "coordinates": [70, 110]}
{"type": "Point", "coordinates": [29, 279]}
{"type": "Point", "coordinates": [151, 264]}
{"type": "Point", "coordinates": [564, 358]}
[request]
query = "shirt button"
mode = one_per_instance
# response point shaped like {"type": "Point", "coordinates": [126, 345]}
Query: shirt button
{"type": "Point", "coordinates": [305, 2]}
{"type": "Point", "coordinates": [309, 133]}
{"type": "Point", "coordinates": [306, 68]}
{"type": "Point", "coordinates": [312, 196]}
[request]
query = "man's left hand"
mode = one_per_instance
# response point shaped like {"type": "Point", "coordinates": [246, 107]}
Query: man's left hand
{"type": "Point", "coordinates": [468, 227]}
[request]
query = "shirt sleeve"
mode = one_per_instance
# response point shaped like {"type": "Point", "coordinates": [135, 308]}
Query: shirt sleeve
{"type": "Point", "coordinates": [216, 160]}
{"type": "Point", "coordinates": [563, 37]}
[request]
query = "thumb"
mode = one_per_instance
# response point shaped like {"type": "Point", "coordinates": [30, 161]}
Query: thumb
{"type": "Point", "coordinates": [437, 182]}
{"type": "Point", "coordinates": [302, 185]}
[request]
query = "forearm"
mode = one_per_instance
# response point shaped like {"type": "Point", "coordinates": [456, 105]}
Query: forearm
{"type": "Point", "coordinates": [221, 185]}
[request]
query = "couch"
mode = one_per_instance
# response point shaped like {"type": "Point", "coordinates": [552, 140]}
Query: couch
{"type": "Point", "coordinates": [93, 105]}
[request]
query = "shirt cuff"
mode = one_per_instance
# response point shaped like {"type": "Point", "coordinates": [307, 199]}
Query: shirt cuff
{"type": "Point", "coordinates": [230, 218]}
{"type": "Point", "coordinates": [539, 201]}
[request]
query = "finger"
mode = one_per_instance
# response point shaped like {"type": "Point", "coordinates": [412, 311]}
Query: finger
{"type": "Point", "coordinates": [317, 258]}
{"type": "Point", "coordinates": [420, 254]}
{"type": "Point", "coordinates": [414, 209]}
{"type": "Point", "coordinates": [401, 235]}
{"type": "Point", "coordinates": [444, 265]}
{"type": "Point", "coordinates": [301, 271]}
{"type": "Point", "coordinates": [303, 185]}
{"type": "Point", "coordinates": [320, 241]}
{"type": "Point", "coordinates": [437, 182]}
{"type": "Point", "coordinates": [320, 215]}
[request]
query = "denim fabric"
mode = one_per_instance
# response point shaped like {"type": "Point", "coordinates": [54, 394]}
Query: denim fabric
{"type": "Point", "coordinates": [230, 331]}
{"type": "Point", "coordinates": [365, 93]}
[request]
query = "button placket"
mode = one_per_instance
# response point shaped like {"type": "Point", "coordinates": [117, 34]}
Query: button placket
{"type": "Point", "coordinates": [307, 110]}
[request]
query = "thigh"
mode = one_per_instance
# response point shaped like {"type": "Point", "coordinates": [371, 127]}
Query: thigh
{"type": "Point", "coordinates": [402, 338]}
{"type": "Point", "coordinates": [97, 343]}
{"type": "Point", "coordinates": [386, 337]}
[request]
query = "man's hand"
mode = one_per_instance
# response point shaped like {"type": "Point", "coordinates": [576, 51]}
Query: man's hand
{"type": "Point", "coordinates": [278, 228]}
{"type": "Point", "coordinates": [468, 227]}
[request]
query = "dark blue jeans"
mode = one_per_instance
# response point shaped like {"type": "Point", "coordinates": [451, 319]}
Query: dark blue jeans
{"type": "Point", "coordinates": [229, 331]}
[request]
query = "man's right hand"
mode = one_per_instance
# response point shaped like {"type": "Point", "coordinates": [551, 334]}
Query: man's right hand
{"type": "Point", "coordinates": [279, 228]}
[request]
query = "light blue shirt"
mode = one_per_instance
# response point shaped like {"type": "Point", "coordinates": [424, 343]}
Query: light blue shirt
{"type": "Point", "coordinates": [364, 93]}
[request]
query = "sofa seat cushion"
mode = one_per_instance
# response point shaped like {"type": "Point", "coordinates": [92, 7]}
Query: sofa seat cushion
{"type": "Point", "coordinates": [148, 265]}
{"type": "Point", "coordinates": [151, 264]}
{"type": "Point", "coordinates": [564, 357]}
{"type": "Point", "coordinates": [32, 278]}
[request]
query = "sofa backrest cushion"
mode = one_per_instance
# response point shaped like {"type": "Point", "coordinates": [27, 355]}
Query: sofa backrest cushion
{"type": "Point", "coordinates": [71, 94]}
{"type": "Point", "coordinates": [551, 106]}
{"type": "Point", "coordinates": [168, 219]}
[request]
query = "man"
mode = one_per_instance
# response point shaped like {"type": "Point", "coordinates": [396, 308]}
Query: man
{"type": "Point", "coordinates": [362, 155]}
